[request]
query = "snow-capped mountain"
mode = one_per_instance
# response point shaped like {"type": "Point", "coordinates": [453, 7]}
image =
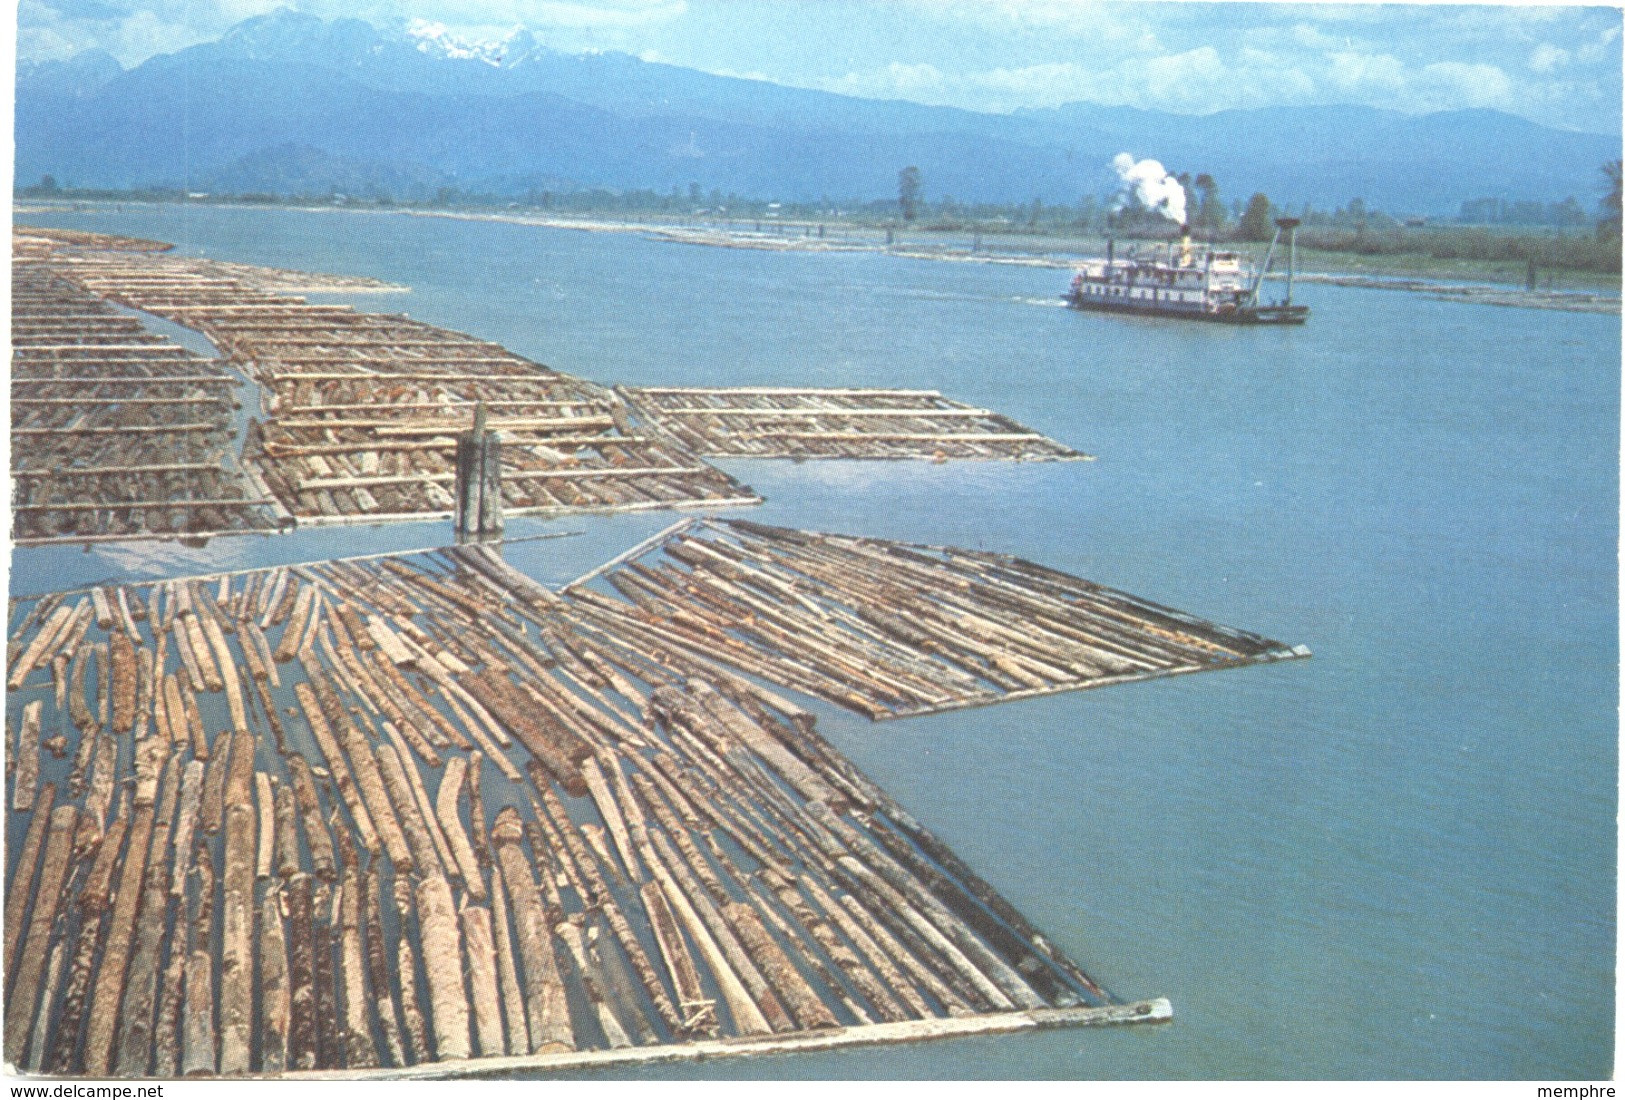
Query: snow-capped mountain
{"type": "Point", "coordinates": [289, 102]}
{"type": "Point", "coordinates": [436, 40]}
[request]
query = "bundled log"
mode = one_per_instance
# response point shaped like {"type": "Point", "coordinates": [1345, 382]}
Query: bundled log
{"type": "Point", "coordinates": [787, 930]}
{"type": "Point", "coordinates": [354, 801]}
{"type": "Point", "coordinates": [899, 883]}
{"type": "Point", "coordinates": [569, 931]}
{"type": "Point", "coordinates": [699, 1011]}
{"type": "Point", "coordinates": [25, 779]}
{"type": "Point", "coordinates": [287, 833]}
{"type": "Point", "coordinates": [198, 1052]}
{"type": "Point", "coordinates": [22, 994]}
{"type": "Point", "coordinates": [882, 993]}
{"type": "Point", "coordinates": [548, 740]}
{"type": "Point", "coordinates": [442, 956]}
{"type": "Point", "coordinates": [356, 1039]}
{"type": "Point", "coordinates": [378, 968]}
{"type": "Point", "coordinates": [329, 1050]}
{"type": "Point", "coordinates": [212, 808]}
{"type": "Point", "coordinates": [424, 804]}
{"type": "Point", "coordinates": [775, 879]}
{"type": "Point", "coordinates": [103, 777]}
{"type": "Point", "coordinates": [793, 990]}
{"type": "Point", "coordinates": [368, 782]}
{"type": "Point", "coordinates": [754, 1006]}
{"type": "Point", "coordinates": [451, 825]}
{"type": "Point", "coordinates": [92, 901]}
{"type": "Point", "coordinates": [611, 813]}
{"type": "Point", "coordinates": [482, 977]}
{"type": "Point", "coordinates": [547, 1012]}
{"type": "Point", "coordinates": [237, 912]}
{"type": "Point", "coordinates": [186, 815]}
{"type": "Point", "coordinates": [110, 976]}
{"type": "Point", "coordinates": [476, 806]}
{"type": "Point", "coordinates": [310, 815]}
{"type": "Point", "coordinates": [39, 1042]}
{"type": "Point", "coordinates": [265, 799]}
{"type": "Point", "coordinates": [263, 662]}
{"type": "Point", "coordinates": [513, 998]}
{"type": "Point", "coordinates": [21, 891]}
{"type": "Point", "coordinates": [417, 1035]}
{"type": "Point", "coordinates": [136, 1021]}
{"type": "Point", "coordinates": [302, 1041]}
{"type": "Point", "coordinates": [425, 859]}
{"type": "Point", "coordinates": [166, 1032]}
{"type": "Point", "coordinates": [563, 837]}
{"type": "Point", "coordinates": [43, 646]}
{"type": "Point", "coordinates": [274, 997]}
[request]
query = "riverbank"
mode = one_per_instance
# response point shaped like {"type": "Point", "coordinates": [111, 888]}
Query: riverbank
{"type": "Point", "coordinates": [1457, 280]}
{"type": "Point", "coordinates": [996, 245]}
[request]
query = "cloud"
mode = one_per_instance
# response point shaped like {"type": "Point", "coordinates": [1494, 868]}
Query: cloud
{"type": "Point", "coordinates": [1313, 38]}
{"type": "Point", "coordinates": [1361, 73]}
{"type": "Point", "coordinates": [559, 14]}
{"type": "Point", "coordinates": [55, 29]}
{"type": "Point", "coordinates": [1465, 85]}
{"type": "Point", "coordinates": [1560, 64]}
{"type": "Point", "coordinates": [894, 81]}
{"type": "Point", "coordinates": [1548, 57]}
{"type": "Point", "coordinates": [60, 28]}
{"type": "Point", "coordinates": [1198, 81]}
{"type": "Point", "coordinates": [86, 9]}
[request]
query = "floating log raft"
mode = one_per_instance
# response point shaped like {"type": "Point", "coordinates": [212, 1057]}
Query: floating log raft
{"type": "Point", "coordinates": [890, 629]}
{"type": "Point", "coordinates": [117, 432]}
{"type": "Point", "coordinates": [360, 410]}
{"type": "Point", "coordinates": [689, 861]}
{"type": "Point", "coordinates": [789, 422]}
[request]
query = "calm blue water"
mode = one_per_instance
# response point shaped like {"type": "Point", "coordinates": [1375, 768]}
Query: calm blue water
{"type": "Point", "coordinates": [1394, 860]}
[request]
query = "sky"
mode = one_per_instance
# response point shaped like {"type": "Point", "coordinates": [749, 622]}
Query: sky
{"type": "Point", "coordinates": [1556, 65]}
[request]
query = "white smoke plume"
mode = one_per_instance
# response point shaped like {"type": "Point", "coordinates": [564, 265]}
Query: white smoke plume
{"type": "Point", "coordinates": [1148, 183]}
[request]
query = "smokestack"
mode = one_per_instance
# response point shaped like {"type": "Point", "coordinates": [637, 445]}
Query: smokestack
{"type": "Point", "coordinates": [1185, 245]}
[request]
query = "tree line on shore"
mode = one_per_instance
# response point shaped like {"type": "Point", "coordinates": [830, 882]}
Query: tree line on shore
{"type": "Point", "coordinates": [1486, 230]}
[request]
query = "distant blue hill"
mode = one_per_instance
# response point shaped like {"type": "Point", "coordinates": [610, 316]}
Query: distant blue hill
{"type": "Point", "coordinates": [288, 103]}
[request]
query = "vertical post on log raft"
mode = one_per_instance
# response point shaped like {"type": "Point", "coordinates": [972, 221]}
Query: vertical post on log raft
{"type": "Point", "coordinates": [479, 482]}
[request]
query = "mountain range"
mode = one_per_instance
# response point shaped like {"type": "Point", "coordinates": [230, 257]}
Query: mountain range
{"type": "Point", "coordinates": [289, 103]}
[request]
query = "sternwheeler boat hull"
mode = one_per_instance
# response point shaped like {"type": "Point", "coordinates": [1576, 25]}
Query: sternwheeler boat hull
{"type": "Point", "coordinates": [1263, 315]}
{"type": "Point", "coordinates": [1193, 284]}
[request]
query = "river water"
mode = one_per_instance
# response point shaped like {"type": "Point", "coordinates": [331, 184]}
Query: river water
{"type": "Point", "coordinates": [1395, 860]}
